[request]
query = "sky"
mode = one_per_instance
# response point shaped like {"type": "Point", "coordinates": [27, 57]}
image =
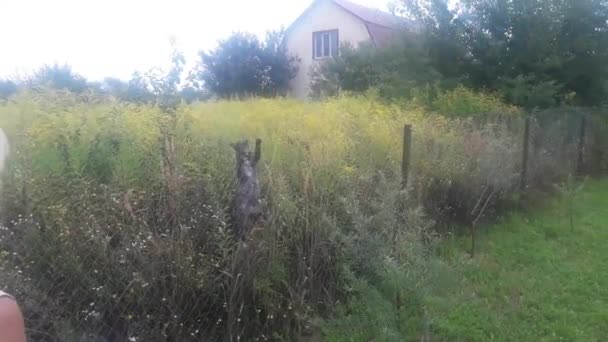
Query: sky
{"type": "Point", "coordinates": [114, 38]}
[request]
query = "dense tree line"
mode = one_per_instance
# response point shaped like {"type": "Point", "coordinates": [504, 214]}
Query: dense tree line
{"type": "Point", "coordinates": [533, 53]}
{"type": "Point", "coordinates": [241, 65]}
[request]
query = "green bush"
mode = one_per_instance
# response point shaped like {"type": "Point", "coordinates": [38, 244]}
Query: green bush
{"type": "Point", "coordinates": [463, 102]}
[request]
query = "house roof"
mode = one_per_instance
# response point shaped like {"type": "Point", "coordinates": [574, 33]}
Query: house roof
{"type": "Point", "coordinates": [381, 25]}
{"type": "Point", "coordinates": [371, 15]}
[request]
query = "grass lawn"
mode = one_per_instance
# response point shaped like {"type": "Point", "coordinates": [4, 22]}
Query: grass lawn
{"type": "Point", "coordinates": [533, 278]}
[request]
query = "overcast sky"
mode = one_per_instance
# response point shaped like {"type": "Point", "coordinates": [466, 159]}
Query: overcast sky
{"type": "Point", "coordinates": [116, 37]}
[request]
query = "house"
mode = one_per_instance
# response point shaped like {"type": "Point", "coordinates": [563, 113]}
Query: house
{"type": "Point", "coordinates": [318, 33]}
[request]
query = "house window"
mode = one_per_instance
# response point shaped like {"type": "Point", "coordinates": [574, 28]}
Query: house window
{"type": "Point", "coordinates": [325, 44]}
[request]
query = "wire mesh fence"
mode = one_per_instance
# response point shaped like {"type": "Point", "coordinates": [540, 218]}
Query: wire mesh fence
{"type": "Point", "coordinates": [93, 260]}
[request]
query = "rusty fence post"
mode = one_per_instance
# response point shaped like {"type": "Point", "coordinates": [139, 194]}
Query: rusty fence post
{"type": "Point", "coordinates": [526, 153]}
{"type": "Point", "coordinates": [407, 155]}
{"type": "Point", "coordinates": [405, 171]}
{"type": "Point", "coordinates": [580, 165]}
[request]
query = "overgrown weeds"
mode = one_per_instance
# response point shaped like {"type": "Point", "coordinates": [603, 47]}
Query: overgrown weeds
{"type": "Point", "coordinates": [116, 219]}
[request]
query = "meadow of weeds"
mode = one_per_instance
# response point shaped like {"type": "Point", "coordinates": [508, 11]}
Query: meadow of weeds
{"type": "Point", "coordinates": [115, 217]}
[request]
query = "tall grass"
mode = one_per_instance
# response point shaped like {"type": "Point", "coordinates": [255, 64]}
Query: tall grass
{"type": "Point", "coordinates": [116, 221]}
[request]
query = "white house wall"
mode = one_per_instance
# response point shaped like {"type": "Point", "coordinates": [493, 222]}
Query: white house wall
{"type": "Point", "coordinates": [323, 16]}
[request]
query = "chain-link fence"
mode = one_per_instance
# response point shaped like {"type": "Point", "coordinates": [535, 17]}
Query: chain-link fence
{"type": "Point", "coordinates": [97, 253]}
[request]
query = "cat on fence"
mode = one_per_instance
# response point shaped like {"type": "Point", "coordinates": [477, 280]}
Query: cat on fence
{"type": "Point", "coordinates": [246, 205]}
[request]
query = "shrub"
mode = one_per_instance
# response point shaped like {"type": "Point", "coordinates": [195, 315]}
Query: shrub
{"type": "Point", "coordinates": [463, 102]}
{"type": "Point", "coordinates": [394, 70]}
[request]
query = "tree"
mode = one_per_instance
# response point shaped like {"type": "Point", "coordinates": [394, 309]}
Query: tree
{"type": "Point", "coordinates": [536, 53]}
{"type": "Point", "coordinates": [194, 90]}
{"type": "Point", "coordinates": [395, 71]}
{"type": "Point", "coordinates": [443, 34]}
{"type": "Point", "coordinates": [243, 66]}
{"type": "Point", "coordinates": [166, 88]}
{"type": "Point", "coordinates": [583, 44]}
{"type": "Point", "coordinates": [58, 77]}
{"type": "Point", "coordinates": [7, 88]}
{"type": "Point", "coordinates": [279, 66]}
{"type": "Point", "coordinates": [112, 86]}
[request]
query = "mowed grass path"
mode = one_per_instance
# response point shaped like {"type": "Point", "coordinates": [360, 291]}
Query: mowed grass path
{"type": "Point", "coordinates": [533, 278]}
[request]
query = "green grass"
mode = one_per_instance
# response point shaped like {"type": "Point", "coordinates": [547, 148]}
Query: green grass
{"type": "Point", "coordinates": [534, 278]}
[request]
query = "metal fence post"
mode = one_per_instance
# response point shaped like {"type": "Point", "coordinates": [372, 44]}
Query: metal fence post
{"type": "Point", "coordinates": [580, 165]}
{"type": "Point", "coordinates": [526, 152]}
{"type": "Point", "coordinates": [407, 155]}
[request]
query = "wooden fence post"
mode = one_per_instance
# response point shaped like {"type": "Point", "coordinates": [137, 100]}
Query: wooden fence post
{"type": "Point", "coordinates": [580, 165]}
{"type": "Point", "coordinates": [407, 155]}
{"type": "Point", "coordinates": [405, 171]}
{"type": "Point", "coordinates": [258, 151]}
{"type": "Point", "coordinates": [526, 152]}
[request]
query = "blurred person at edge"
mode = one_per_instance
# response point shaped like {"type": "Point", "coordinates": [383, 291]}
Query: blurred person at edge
{"type": "Point", "coordinates": [12, 328]}
{"type": "Point", "coordinates": [4, 149]}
